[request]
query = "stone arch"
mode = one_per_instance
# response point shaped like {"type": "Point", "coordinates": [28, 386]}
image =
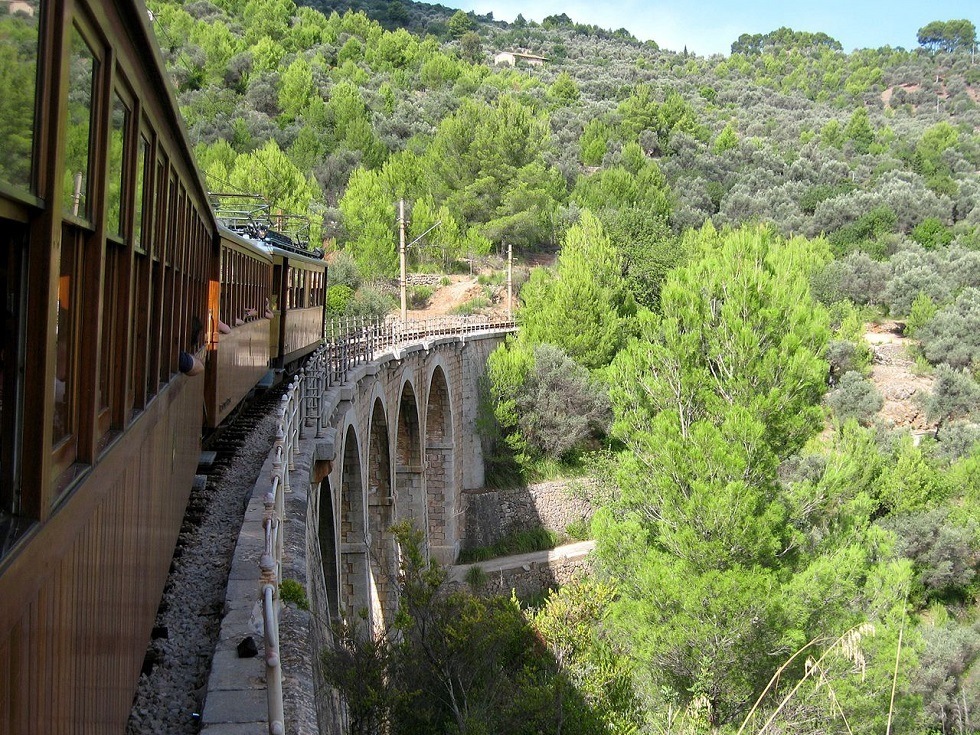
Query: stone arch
{"type": "Point", "coordinates": [329, 556]}
{"type": "Point", "coordinates": [440, 470]}
{"type": "Point", "coordinates": [409, 477]}
{"type": "Point", "coordinates": [354, 583]}
{"type": "Point", "coordinates": [381, 501]}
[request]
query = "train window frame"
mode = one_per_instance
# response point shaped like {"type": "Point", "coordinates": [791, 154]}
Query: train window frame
{"type": "Point", "coordinates": [18, 504]}
{"type": "Point", "coordinates": [114, 404]}
{"type": "Point", "coordinates": [142, 269]}
{"type": "Point", "coordinates": [82, 190]}
{"type": "Point", "coordinates": [9, 188]}
{"type": "Point", "coordinates": [116, 229]}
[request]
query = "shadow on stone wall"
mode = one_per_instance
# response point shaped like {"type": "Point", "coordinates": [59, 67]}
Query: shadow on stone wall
{"type": "Point", "coordinates": [492, 516]}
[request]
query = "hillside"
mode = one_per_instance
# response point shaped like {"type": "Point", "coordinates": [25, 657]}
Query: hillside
{"type": "Point", "coordinates": [768, 529]}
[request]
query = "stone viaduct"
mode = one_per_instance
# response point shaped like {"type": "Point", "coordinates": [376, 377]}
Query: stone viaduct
{"type": "Point", "coordinates": [402, 445]}
{"type": "Point", "coordinates": [388, 438]}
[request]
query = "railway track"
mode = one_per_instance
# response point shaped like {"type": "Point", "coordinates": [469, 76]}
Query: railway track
{"type": "Point", "coordinates": [173, 682]}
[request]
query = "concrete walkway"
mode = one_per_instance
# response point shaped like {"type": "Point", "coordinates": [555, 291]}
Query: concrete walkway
{"type": "Point", "coordinates": [569, 556]}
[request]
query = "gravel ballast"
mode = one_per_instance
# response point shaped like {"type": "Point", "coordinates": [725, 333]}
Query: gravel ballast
{"type": "Point", "coordinates": [170, 696]}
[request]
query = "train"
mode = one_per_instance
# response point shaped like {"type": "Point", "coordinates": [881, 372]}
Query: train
{"type": "Point", "coordinates": [135, 319]}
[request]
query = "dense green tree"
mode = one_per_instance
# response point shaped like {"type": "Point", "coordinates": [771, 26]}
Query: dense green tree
{"type": "Point", "coordinates": [460, 23]}
{"type": "Point", "coordinates": [583, 307]}
{"type": "Point", "coordinates": [717, 388]}
{"type": "Point", "coordinates": [270, 174]}
{"type": "Point", "coordinates": [948, 36]}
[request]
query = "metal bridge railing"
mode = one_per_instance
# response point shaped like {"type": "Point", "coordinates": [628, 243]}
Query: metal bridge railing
{"type": "Point", "coordinates": [347, 344]}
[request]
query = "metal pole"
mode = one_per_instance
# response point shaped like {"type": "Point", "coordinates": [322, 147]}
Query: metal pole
{"type": "Point", "coordinates": [401, 257]}
{"type": "Point", "coordinates": [510, 281]}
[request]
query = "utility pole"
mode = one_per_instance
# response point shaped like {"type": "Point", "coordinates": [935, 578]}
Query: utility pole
{"type": "Point", "coordinates": [402, 259]}
{"type": "Point", "coordinates": [510, 281]}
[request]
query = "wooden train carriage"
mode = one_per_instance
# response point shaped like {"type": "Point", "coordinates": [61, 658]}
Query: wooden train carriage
{"type": "Point", "coordinates": [238, 348]}
{"type": "Point", "coordinates": [106, 249]}
{"type": "Point", "coordinates": [299, 285]}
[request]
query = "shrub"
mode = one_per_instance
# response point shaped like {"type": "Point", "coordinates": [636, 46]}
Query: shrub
{"type": "Point", "coordinates": [944, 552]}
{"type": "Point", "coordinates": [343, 271]}
{"type": "Point", "coordinates": [370, 303]}
{"type": "Point", "coordinates": [922, 310]}
{"type": "Point", "coordinates": [519, 542]}
{"type": "Point", "coordinates": [418, 296]}
{"type": "Point", "coordinates": [564, 407]}
{"type": "Point", "coordinates": [842, 356]}
{"type": "Point", "coordinates": [338, 298]}
{"type": "Point", "coordinates": [953, 334]}
{"type": "Point", "coordinates": [855, 398]}
{"type": "Point", "coordinates": [946, 676]}
{"type": "Point", "coordinates": [471, 307]}
{"type": "Point", "coordinates": [476, 577]}
{"type": "Point", "coordinates": [292, 591]}
{"type": "Point", "coordinates": [955, 395]}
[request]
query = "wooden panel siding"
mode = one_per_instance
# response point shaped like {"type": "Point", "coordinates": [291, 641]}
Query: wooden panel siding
{"type": "Point", "coordinates": [89, 581]}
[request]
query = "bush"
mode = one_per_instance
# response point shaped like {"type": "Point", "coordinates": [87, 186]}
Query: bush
{"type": "Point", "coordinates": [476, 577]}
{"type": "Point", "coordinates": [946, 676]}
{"type": "Point", "coordinates": [955, 395]}
{"type": "Point", "coordinates": [923, 309]}
{"type": "Point", "coordinates": [343, 271]}
{"type": "Point", "coordinates": [855, 398]}
{"type": "Point", "coordinates": [944, 553]}
{"type": "Point", "coordinates": [519, 542]}
{"type": "Point", "coordinates": [953, 334]}
{"type": "Point", "coordinates": [564, 408]}
{"type": "Point", "coordinates": [418, 296]}
{"type": "Point", "coordinates": [338, 298]}
{"type": "Point", "coordinates": [292, 591]}
{"type": "Point", "coordinates": [842, 356]}
{"type": "Point", "coordinates": [471, 307]}
{"type": "Point", "coordinates": [370, 303]}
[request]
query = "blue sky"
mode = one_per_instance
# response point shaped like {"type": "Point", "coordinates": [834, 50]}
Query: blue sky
{"type": "Point", "coordinates": [710, 26]}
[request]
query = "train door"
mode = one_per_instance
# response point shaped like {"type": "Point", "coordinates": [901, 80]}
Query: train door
{"type": "Point", "coordinates": [13, 518]}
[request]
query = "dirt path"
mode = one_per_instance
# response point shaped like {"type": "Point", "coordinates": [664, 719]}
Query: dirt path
{"type": "Point", "coordinates": [463, 289]}
{"type": "Point", "coordinates": [892, 372]}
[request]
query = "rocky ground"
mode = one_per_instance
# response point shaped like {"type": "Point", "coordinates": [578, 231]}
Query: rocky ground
{"type": "Point", "coordinates": [893, 373]}
{"type": "Point", "coordinates": [170, 696]}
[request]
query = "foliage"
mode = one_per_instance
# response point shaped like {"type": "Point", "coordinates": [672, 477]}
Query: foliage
{"type": "Point", "coordinates": [955, 395]}
{"type": "Point", "coordinates": [455, 662]}
{"type": "Point", "coordinates": [583, 306]}
{"type": "Point", "coordinates": [544, 403]}
{"type": "Point", "coordinates": [519, 542]}
{"type": "Point", "coordinates": [292, 591]}
{"type": "Point", "coordinates": [944, 552]}
{"type": "Point", "coordinates": [370, 303]}
{"type": "Point", "coordinates": [948, 36]}
{"type": "Point", "coordinates": [953, 334]}
{"type": "Point", "coordinates": [855, 398]}
{"type": "Point", "coordinates": [946, 679]}
{"type": "Point", "coordinates": [338, 299]}
{"type": "Point", "coordinates": [718, 387]}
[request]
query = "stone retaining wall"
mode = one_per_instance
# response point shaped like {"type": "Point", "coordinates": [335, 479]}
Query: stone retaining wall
{"type": "Point", "coordinates": [528, 575]}
{"type": "Point", "coordinates": [491, 515]}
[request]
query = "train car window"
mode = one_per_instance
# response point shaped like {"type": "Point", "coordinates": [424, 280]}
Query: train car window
{"type": "Point", "coordinates": [142, 298]}
{"type": "Point", "coordinates": [115, 210]}
{"type": "Point", "coordinates": [82, 68]}
{"type": "Point", "coordinates": [63, 436]}
{"type": "Point", "coordinates": [225, 290]}
{"type": "Point", "coordinates": [274, 302]}
{"type": "Point", "coordinates": [13, 508]}
{"type": "Point", "coordinates": [18, 79]}
{"type": "Point", "coordinates": [142, 177]}
{"type": "Point", "coordinates": [112, 357]}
